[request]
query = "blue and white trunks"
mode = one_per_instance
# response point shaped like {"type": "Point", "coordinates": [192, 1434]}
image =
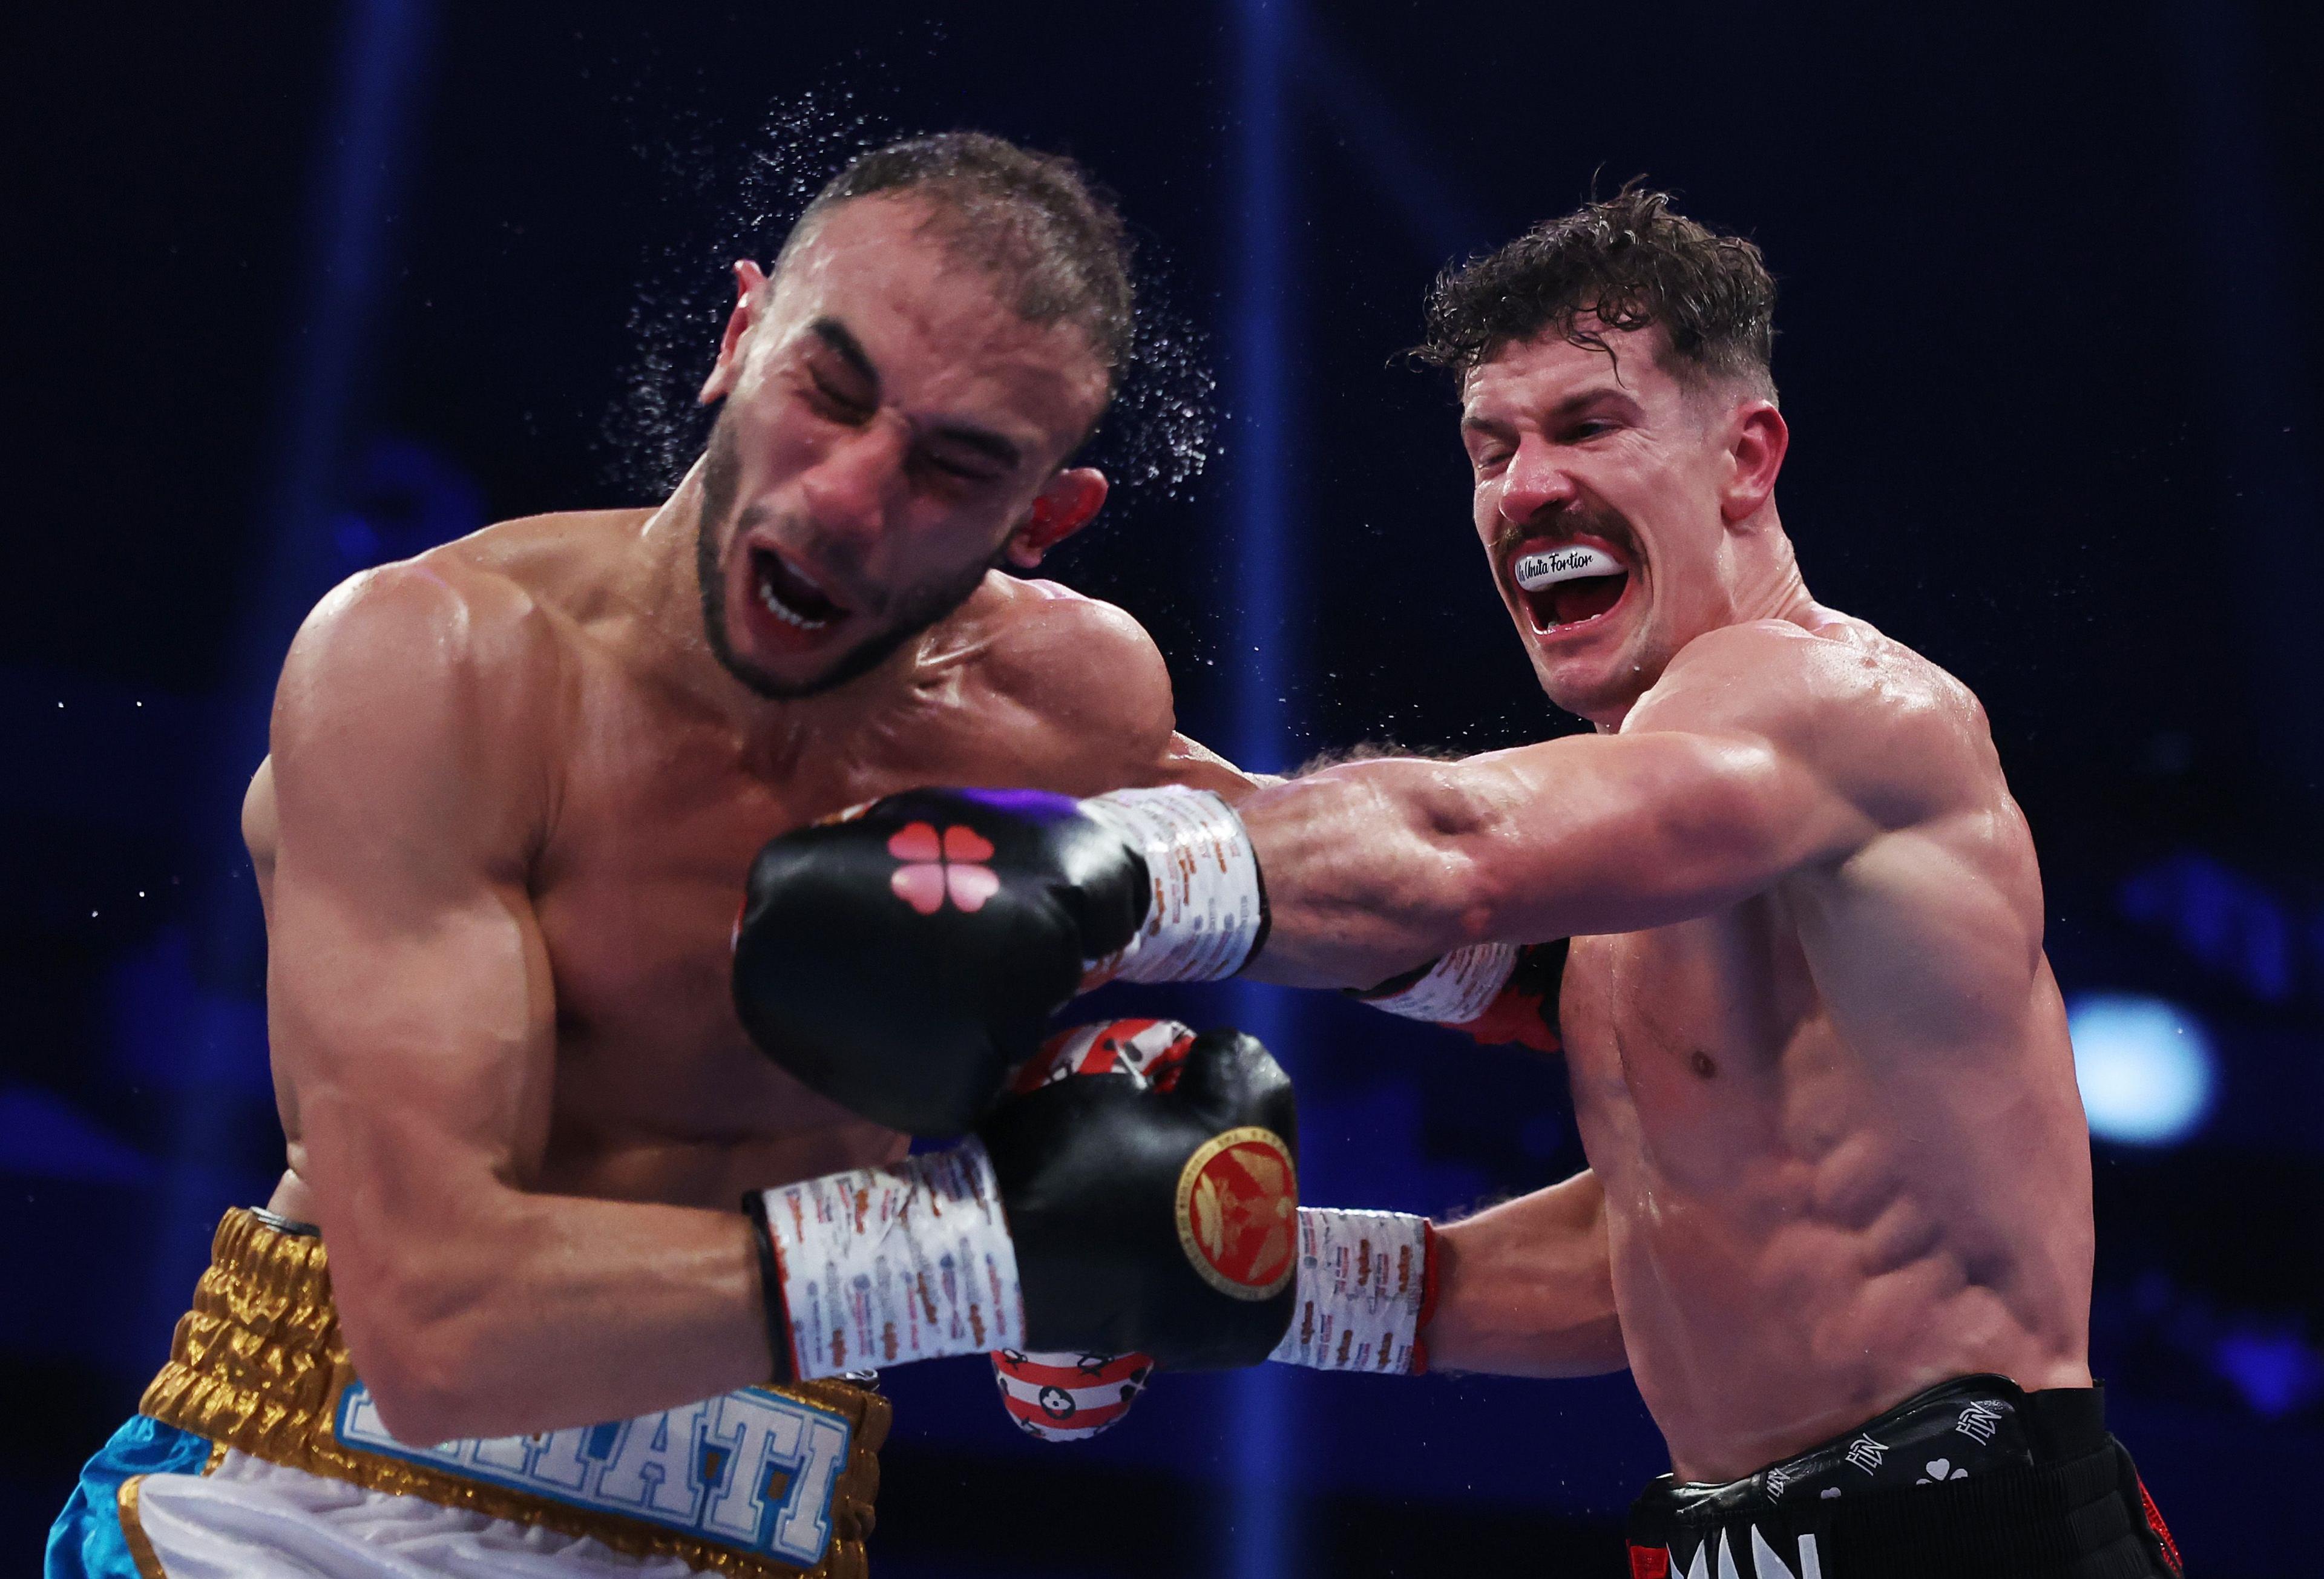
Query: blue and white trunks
{"type": "Point", "coordinates": [256, 1453]}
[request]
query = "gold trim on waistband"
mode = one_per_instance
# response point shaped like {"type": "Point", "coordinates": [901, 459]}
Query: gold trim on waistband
{"type": "Point", "coordinates": [259, 1363]}
{"type": "Point", "coordinates": [148, 1561]}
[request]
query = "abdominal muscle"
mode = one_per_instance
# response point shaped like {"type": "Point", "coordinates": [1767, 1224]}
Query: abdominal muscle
{"type": "Point", "coordinates": [1801, 1241]}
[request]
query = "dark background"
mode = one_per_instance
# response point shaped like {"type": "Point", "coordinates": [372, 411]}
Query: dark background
{"type": "Point", "coordinates": [291, 291]}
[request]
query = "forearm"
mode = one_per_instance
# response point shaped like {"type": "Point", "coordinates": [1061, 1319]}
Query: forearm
{"type": "Point", "coordinates": [1526, 1289]}
{"type": "Point", "coordinates": [1371, 868]}
{"type": "Point", "coordinates": [1368, 871]}
{"type": "Point", "coordinates": [1346, 877]}
{"type": "Point", "coordinates": [643, 1306]}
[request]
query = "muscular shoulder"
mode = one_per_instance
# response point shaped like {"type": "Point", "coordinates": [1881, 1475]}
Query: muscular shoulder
{"type": "Point", "coordinates": [432, 676]}
{"type": "Point", "coordinates": [491, 610]}
{"type": "Point", "coordinates": [1882, 723]}
{"type": "Point", "coordinates": [440, 625]}
{"type": "Point", "coordinates": [1078, 665]}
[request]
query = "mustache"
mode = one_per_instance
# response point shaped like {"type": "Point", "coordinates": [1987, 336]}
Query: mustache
{"type": "Point", "coordinates": [1568, 521]}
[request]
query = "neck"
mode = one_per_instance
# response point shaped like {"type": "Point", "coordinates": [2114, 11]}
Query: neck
{"type": "Point", "coordinates": [670, 601]}
{"type": "Point", "coordinates": [1767, 587]}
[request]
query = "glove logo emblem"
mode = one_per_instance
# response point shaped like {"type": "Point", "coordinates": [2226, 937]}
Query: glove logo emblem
{"type": "Point", "coordinates": [1238, 1204]}
{"type": "Point", "coordinates": [936, 867]}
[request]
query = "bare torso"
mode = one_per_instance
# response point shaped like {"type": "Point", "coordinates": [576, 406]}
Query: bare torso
{"type": "Point", "coordinates": [1837, 1131]}
{"type": "Point", "coordinates": [651, 806]}
{"type": "Point", "coordinates": [1818, 1059]}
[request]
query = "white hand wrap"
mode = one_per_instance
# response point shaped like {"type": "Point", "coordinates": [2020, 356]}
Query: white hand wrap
{"type": "Point", "coordinates": [1363, 1282]}
{"type": "Point", "coordinates": [1204, 919]}
{"type": "Point", "coordinates": [882, 1265]}
{"type": "Point", "coordinates": [1457, 988]}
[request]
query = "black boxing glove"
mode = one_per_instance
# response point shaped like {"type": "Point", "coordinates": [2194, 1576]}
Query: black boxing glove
{"type": "Point", "coordinates": [903, 961]}
{"type": "Point", "coordinates": [1362, 1293]}
{"type": "Point", "coordinates": [1098, 1215]}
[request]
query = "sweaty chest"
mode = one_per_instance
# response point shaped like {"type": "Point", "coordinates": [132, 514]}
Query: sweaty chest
{"type": "Point", "coordinates": [636, 896]}
{"type": "Point", "coordinates": [1671, 1034]}
{"type": "Point", "coordinates": [638, 888]}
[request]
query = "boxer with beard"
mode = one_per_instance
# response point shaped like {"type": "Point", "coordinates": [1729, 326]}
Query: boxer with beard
{"type": "Point", "coordinates": [513, 786]}
{"type": "Point", "coordinates": [1779, 903]}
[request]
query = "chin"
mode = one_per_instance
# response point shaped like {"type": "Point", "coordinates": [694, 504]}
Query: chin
{"type": "Point", "coordinates": [1600, 689]}
{"type": "Point", "coordinates": [1591, 703]}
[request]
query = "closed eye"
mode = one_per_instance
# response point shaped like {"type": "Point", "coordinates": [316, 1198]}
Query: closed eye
{"type": "Point", "coordinates": [836, 402]}
{"type": "Point", "coordinates": [965, 471]}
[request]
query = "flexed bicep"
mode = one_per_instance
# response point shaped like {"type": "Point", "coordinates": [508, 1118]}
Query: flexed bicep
{"type": "Point", "coordinates": [408, 988]}
{"type": "Point", "coordinates": [411, 1005]}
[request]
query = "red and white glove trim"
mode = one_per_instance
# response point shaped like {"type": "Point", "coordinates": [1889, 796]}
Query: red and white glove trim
{"type": "Point", "coordinates": [883, 1266]}
{"type": "Point", "coordinates": [1152, 1050]}
{"type": "Point", "coordinates": [1367, 1288]}
{"type": "Point", "coordinates": [1205, 917]}
{"type": "Point", "coordinates": [1457, 989]}
{"type": "Point", "coordinates": [1068, 1397]}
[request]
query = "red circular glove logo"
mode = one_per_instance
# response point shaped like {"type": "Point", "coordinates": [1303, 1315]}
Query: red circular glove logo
{"type": "Point", "coordinates": [1238, 1204]}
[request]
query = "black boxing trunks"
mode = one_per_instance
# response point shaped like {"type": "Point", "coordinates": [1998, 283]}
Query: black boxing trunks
{"type": "Point", "coordinates": [1976, 1478]}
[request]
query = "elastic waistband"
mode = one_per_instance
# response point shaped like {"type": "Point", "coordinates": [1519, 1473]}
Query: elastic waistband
{"type": "Point", "coordinates": [1973, 1476]}
{"type": "Point", "coordinates": [258, 1364]}
{"type": "Point", "coordinates": [1970, 1426]}
{"type": "Point", "coordinates": [2080, 1516]}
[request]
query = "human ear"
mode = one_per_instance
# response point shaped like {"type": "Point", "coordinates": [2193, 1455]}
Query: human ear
{"type": "Point", "coordinates": [1758, 438]}
{"type": "Point", "coordinates": [727, 371]}
{"type": "Point", "coordinates": [1063, 507]}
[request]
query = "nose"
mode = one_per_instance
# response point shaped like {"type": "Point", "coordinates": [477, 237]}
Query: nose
{"type": "Point", "coordinates": [1534, 482]}
{"type": "Point", "coordinates": [848, 488]}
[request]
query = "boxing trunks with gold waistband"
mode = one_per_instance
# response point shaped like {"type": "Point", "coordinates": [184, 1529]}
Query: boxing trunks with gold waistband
{"type": "Point", "coordinates": [1973, 1479]}
{"type": "Point", "coordinates": [258, 1432]}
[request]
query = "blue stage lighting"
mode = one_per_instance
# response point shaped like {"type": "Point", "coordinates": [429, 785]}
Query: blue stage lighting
{"type": "Point", "coordinates": [1261, 1536]}
{"type": "Point", "coordinates": [2145, 1066]}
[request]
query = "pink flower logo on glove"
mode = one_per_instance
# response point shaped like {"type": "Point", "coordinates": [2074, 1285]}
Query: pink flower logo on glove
{"type": "Point", "coordinates": [934, 867]}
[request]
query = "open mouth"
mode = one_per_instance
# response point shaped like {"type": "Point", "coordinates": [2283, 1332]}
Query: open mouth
{"type": "Point", "coordinates": [1568, 586]}
{"type": "Point", "coordinates": [787, 595]}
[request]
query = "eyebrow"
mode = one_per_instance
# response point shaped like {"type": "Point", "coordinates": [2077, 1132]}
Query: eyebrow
{"type": "Point", "coordinates": [985, 442]}
{"type": "Point", "coordinates": [1470, 423]}
{"type": "Point", "coordinates": [843, 344]}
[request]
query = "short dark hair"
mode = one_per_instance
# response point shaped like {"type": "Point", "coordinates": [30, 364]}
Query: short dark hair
{"type": "Point", "coordinates": [1033, 220]}
{"type": "Point", "coordinates": [1626, 262]}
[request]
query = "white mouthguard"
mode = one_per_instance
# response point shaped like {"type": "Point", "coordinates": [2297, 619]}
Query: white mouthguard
{"type": "Point", "coordinates": [1548, 567]}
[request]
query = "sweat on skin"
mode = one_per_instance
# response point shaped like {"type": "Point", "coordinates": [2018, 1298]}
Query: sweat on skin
{"type": "Point", "coordinates": [1818, 1057]}
{"type": "Point", "coordinates": [515, 783]}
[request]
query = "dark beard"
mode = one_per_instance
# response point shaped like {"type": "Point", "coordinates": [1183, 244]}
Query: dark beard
{"type": "Point", "coordinates": [913, 614]}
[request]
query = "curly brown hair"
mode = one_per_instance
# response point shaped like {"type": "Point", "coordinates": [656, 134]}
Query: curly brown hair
{"type": "Point", "coordinates": [1625, 262]}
